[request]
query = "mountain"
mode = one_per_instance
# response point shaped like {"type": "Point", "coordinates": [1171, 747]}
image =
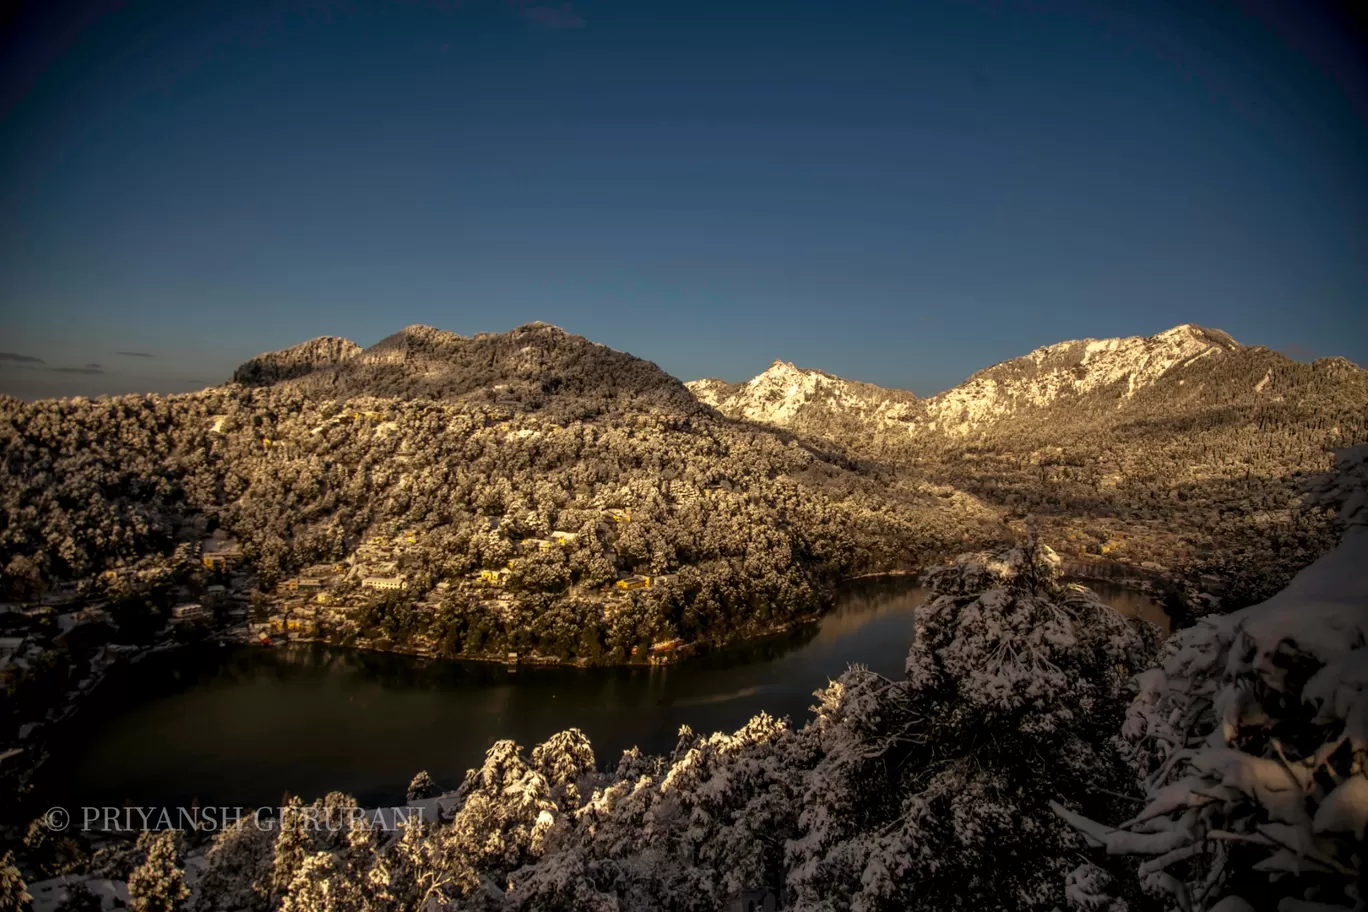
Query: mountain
{"type": "Point", "coordinates": [296, 361]}
{"type": "Point", "coordinates": [808, 400]}
{"type": "Point", "coordinates": [532, 367]}
{"type": "Point", "coordinates": [1115, 368]}
{"type": "Point", "coordinates": [1183, 450]}
{"type": "Point", "coordinates": [438, 458]}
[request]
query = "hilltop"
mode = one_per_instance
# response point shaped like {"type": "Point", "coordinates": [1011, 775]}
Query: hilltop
{"type": "Point", "coordinates": [1182, 450]}
{"type": "Point", "coordinates": [532, 367]}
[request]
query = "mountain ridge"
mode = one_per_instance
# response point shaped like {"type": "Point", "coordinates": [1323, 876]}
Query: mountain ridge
{"type": "Point", "coordinates": [796, 398]}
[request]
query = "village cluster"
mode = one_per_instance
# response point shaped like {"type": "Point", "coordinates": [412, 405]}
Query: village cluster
{"type": "Point", "coordinates": [321, 601]}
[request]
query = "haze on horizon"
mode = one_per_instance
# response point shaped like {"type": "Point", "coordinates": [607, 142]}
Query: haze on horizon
{"type": "Point", "coordinates": [896, 195]}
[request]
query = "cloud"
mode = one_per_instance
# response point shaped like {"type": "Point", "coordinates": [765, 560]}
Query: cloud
{"type": "Point", "coordinates": [561, 16]}
{"type": "Point", "coordinates": [23, 359]}
{"type": "Point", "coordinates": [134, 354]}
{"type": "Point", "coordinates": [96, 369]}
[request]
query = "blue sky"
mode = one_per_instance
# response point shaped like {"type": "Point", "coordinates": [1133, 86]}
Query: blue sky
{"type": "Point", "coordinates": [896, 192]}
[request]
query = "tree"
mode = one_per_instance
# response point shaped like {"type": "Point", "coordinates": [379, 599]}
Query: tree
{"type": "Point", "coordinates": [935, 790]}
{"type": "Point", "coordinates": [238, 871]}
{"type": "Point", "coordinates": [421, 787]}
{"type": "Point", "coordinates": [158, 884]}
{"type": "Point", "coordinates": [14, 896]}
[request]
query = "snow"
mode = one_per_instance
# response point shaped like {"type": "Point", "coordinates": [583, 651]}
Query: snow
{"type": "Point", "coordinates": [1239, 735]}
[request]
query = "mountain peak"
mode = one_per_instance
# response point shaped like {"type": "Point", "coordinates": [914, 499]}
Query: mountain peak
{"type": "Point", "coordinates": [295, 361]}
{"type": "Point", "coordinates": [528, 368]}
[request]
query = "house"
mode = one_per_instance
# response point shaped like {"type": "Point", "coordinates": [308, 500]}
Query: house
{"type": "Point", "coordinates": [565, 538]}
{"type": "Point", "coordinates": [277, 623]}
{"type": "Point", "coordinates": [540, 544]}
{"type": "Point", "coordinates": [301, 624]}
{"type": "Point", "coordinates": [189, 611]}
{"type": "Point", "coordinates": [216, 592]}
{"type": "Point", "coordinates": [385, 583]}
{"type": "Point", "coordinates": [667, 645]}
{"type": "Point", "coordinates": [10, 646]}
{"type": "Point", "coordinates": [634, 582]}
{"type": "Point", "coordinates": [319, 571]}
{"type": "Point", "coordinates": [219, 555]}
{"type": "Point", "coordinates": [619, 515]}
{"type": "Point", "coordinates": [310, 584]}
{"type": "Point", "coordinates": [664, 579]}
{"type": "Point", "coordinates": [495, 577]}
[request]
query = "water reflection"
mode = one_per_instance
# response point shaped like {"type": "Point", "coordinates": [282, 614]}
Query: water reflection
{"type": "Point", "coordinates": [241, 726]}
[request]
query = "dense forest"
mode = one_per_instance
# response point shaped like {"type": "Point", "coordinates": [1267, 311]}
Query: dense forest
{"type": "Point", "coordinates": [1229, 761]}
{"type": "Point", "coordinates": [1183, 450]}
{"type": "Point", "coordinates": [756, 525]}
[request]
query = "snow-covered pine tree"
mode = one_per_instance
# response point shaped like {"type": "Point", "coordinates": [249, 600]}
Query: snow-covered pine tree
{"type": "Point", "coordinates": [933, 792]}
{"type": "Point", "coordinates": [1251, 736]}
{"type": "Point", "coordinates": [158, 884]}
{"type": "Point", "coordinates": [237, 878]}
{"type": "Point", "coordinates": [292, 846]}
{"type": "Point", "coordinates": [14, 895]}
{"type": "Point", "coordinates": [421, 787]}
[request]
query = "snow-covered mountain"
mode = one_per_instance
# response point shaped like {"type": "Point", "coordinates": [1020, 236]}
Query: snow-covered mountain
{"type": "Point", "coordinates": [1083, 371]}
{"type": "Point", "coordinates": [1117, 367]}
{"type": "Point", "coordinates": [791, 397]}
{"type": "Point", "coordinates": [525, 368]}
{"type": "Point", "coordinates": [296, 361]}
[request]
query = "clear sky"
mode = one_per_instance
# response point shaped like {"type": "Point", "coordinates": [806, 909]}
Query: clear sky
{"type": "Point", "coordinates": [899, 192]}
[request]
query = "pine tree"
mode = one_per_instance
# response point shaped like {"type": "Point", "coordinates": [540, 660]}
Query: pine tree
{"type": "Point", "coordinates": [421, 787]}
{"type": "Point", "coordinates": [237, 878]}
{"type": "Point", "coordinates": [14, 896]}
{"type": "Point", "coordinates": [158, 884]}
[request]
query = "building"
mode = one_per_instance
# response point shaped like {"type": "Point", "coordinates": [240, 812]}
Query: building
{"type": "Point", "coordinates": [384, 583]}
{"type": "Point", "coordinates": [190, 611]}
{"type": "Point", "coordinates": [619, 515]}
{"type": "Point", "coordinates": [634, 582]}
{"type": "Point", "coordinates": [310, 584]}
{"type": "Point", "coordinates": [10, 646]}
{"type": "Point", "coordinates": [220, 555]}
{"type": "Point", "coordinates": [540, 544]}
{"type": "Point", "coordinates": [664, 579]}
{"type": "Point", "coordinates": [495, 577]}
{"type": "Point", "coordinates": [565, 538]}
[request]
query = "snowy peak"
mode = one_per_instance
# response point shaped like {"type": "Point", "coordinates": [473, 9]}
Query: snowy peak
{"type": "Point", "coordinates": [295, 361]}
{"type": "Point", "coordinates": [1073, 368]}
{"type": "Point", "coordinates": [791, 396]}
{"type": "Point", "coordinates": [532, 367]}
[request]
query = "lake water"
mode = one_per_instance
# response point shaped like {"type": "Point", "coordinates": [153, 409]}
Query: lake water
{"type": "Point", "coordinates": [241, 726]}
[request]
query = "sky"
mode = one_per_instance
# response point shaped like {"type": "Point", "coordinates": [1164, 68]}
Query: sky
{"type": "Point", "coordinates": [901, 193]}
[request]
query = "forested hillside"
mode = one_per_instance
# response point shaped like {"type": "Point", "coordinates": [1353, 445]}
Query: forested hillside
{"type": "Point", "coordinates": [494, 441]}
{"type": "Point", "coordinates": [1182, 450]}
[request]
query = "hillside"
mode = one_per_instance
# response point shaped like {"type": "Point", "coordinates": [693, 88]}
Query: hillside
{"type": "Point", "coordinates": [808, 401]}
{"type": "Point", "coordinates": [431, 458]}
{"type": "Point", "coordinates": [532, 367]}
{"type": "Point", "coordinates": [1181, 450]}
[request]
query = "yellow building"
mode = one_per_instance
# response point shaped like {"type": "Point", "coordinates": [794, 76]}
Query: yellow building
{"type": "Point", "coordinates": [634, 582]}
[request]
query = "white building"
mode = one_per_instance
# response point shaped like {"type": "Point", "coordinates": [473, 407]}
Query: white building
{"type": "Point", "coordinates": [190, 611]}
{"type": "Point", "coordinates": [384, 582]}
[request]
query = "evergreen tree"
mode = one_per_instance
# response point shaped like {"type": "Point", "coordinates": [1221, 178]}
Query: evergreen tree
{"type": "Point", "coordinates": [421, 787]}
{"type": "Point", "coordinates": [158, 884]}
{"type": "Point", "coordinates": [14, 896]}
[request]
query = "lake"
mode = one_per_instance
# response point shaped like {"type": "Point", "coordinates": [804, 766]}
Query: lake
{"type": "Point", "coordinates": [242, 725]}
